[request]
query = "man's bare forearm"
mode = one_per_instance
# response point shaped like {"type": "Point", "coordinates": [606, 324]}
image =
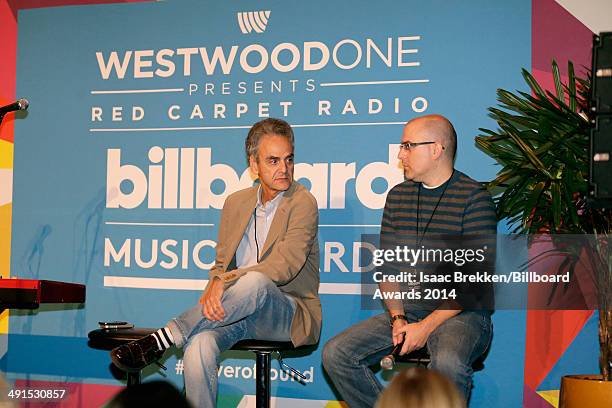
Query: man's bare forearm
{"type": "Point", "coordinates": [394, 306]}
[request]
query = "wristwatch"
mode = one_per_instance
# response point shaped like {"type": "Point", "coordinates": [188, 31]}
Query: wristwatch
{"type": "Point", "coordinates": [397, 317]}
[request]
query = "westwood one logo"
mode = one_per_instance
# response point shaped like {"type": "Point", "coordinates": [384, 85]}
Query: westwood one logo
{"type": "Point", "coordinates": [345, 54]}
{"type": "Point", "coordinates": [182, 178]}
{"type": "Point", "coordinates": [253, 21]}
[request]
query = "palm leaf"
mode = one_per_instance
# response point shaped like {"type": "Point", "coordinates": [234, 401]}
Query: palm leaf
{"type": "Point", "coordinates": [571, 87]}
{"type": "Point", "coordinates": [557, 79]}
{"type": "Point", "coordinates": [542, 147]}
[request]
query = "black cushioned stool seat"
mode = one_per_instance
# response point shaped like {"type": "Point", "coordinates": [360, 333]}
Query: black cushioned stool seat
{"type": "Point", "coordinates": [108, 339]}
{"type": "Point", "coordinates": [421, 357]}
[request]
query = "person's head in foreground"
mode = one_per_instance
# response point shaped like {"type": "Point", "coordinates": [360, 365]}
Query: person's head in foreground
{"type": "Point", "coordinates": [152, 394]}
{"type": "Point", "coordinates": [419, 387]}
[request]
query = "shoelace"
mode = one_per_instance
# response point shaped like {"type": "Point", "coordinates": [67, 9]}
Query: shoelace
{"type": "Point", "coordinates": [156, 361]}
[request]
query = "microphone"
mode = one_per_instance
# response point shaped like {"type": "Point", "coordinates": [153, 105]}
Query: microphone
{"type": "Point", "coordinates": [21, 104]}
{"type": "Point", "coordinates": [388, 361]}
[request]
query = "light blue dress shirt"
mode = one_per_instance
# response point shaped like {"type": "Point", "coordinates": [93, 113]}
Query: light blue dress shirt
{"type": "Point", "coordinates": [247, 252]}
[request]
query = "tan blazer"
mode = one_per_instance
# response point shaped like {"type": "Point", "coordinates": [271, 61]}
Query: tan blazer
{"type": "Point", "coordinates": [289, 257]}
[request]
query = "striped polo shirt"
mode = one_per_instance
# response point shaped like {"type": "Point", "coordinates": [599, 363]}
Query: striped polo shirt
{"type": "Point", "coordinates": [465, 208]}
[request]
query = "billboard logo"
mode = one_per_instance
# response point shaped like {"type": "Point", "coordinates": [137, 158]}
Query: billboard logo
{"type": "Point", "coordinates": [184, 177]}
{"type": "Point", "coordinates": [253, 21]}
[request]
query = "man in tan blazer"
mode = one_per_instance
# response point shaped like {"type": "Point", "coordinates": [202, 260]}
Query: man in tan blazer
{"type": "Point", "coordinates": [265, 281]}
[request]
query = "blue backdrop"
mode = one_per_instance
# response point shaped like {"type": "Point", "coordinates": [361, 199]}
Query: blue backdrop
{"type": "Point", "coordinates": [135, 136]}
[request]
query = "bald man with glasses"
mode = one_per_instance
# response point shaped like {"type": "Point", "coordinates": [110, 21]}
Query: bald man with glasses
{"type": "Point", "coordinates": [434, 199]}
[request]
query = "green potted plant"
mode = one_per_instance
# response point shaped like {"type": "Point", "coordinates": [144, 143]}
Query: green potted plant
{"type": "Point", "coordinates": [542, 146]}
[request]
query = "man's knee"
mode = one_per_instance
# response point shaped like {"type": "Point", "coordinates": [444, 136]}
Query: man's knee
{"type": "Point", "coordinates": [333, 353]}
{"type": "Point", "coordinates": [256, 281]}
{"type": "Point", "coordinates": [451, 364]}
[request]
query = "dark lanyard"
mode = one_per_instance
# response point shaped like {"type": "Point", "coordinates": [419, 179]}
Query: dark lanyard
{"type": "Point", "coordinates": [255, 222]}
{"type": "Point", "coordinates": [432, 213]}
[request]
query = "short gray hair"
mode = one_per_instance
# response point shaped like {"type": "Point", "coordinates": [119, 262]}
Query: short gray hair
{"type": "Point", "coordinates": [270, 126]}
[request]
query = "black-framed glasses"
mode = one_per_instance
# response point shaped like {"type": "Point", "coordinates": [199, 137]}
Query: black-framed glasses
{"type": "Point", "coordinates": [412, 145]}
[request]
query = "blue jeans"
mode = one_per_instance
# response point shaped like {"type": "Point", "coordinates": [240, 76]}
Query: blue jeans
{"type": "Point", "coordinates": [254, 309]}
{"type": "Point", "coordinates": [453, 347]}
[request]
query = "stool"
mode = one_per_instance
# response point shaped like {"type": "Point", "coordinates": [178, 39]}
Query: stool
{"type": "Point", "coordinates": [108, 339]}
{"type": "Point", "coordinates": [421, 357]}
{"type": "Point", "coordinates": [263, 351]}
